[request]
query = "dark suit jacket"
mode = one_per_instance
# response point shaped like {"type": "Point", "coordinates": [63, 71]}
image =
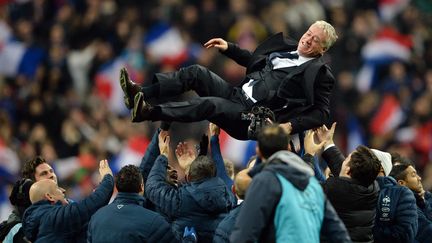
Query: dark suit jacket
{"type": "Point", "coordinates": [305, 114]}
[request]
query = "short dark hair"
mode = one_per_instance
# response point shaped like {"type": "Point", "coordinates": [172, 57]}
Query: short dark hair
{"type": "Point", "coordinates": [271, 139]}
{"type": "Point", "coordinates": [29, 168]}
{"type": "Point", "coordinates": [201, 168]}
{"type": "Point", "coordinates": [364, 165]}
{"type": "Point", "coordinates": [399, 172]}
{"type": "Point", "coordinates": [129, 179]}
{"type": "Point", "coordinates": [20, 197]}
{"type": "Point", "coordinates": [398, 159]}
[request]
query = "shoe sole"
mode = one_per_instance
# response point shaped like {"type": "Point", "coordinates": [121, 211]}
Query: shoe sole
{"type": "Point", "coordinates": [124, 78]}
{"type": "Point", "coordinates": [137, 99]}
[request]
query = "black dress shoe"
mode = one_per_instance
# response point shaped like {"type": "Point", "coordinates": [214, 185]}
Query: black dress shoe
{"type": "Point", "coordinates": [141, 109]}
{"type": "Point", "coordinates": [130, 89]}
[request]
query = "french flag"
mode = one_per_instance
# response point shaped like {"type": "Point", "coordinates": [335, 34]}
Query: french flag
{"type": "Point", "coordinates": [131, 153]}
{"type": "Point", "coordinates": [107, 86]}
{"type": "Point", "coordinates": [238, 151]}
{"type": "Point", "coordinates": [388, 9]}
{"type": "Point", "coordinates": [17, 58]}
{"type": "Point", "coordinates": [355, 135]}
{"type": "Point", "coordinates": [389, 45]}
{"type": "Point", "coordinates": [166, 45]}
{"type": "Point", "coordinates": [388, 116]}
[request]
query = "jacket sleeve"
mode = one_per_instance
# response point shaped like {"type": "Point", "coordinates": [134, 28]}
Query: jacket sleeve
{"type": "Point", "coordinates": [161, 231]}
{"type": "Point", "coordinates": [240, 56]}
{"type": "Point", "coordinates": [79, 213]}
{"type": "Point", "coordinates": [424, 227]}
{"type": "Point", "coordinates": [150, 156]}
{"type": "Point", "coordinates": [219, 162]}
{"type": "Point", "coordinates": [257, 209]}
{"type": "Point", "coordinates": [405, 224]}
{"type": "Point", "coordinates": [165, 196]}
{"type": "Point", "coordinates": [314, 164]}
{"type": "Point", "coordinates": [333, 229]}
{"type": "Point", "coordinates": [334, 158]}
{"type": "Point", "coordinates": [319, 112]}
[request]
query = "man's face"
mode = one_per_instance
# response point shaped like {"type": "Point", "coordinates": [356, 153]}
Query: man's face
{"type": "Point", "coordinates": [45, 171]}
{"type": "Point", "coordinates": [311, 44]}
{"type": "Point", "coordinates": [412, 180]}
{"type": "Point", "coordinates": [57, 194]}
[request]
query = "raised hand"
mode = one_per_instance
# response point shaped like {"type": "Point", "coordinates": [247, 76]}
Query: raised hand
{"type": "Point", "coordinates": [219, 43]}
{"type": "Point", "coordinates": [287, 127]}
{"type": "Point", "coordinates": [185, 155]}
{"type": "Point", "coordinates": [214, 129]}
{"type": "Point", "coordinates": [164, 141]}
{"type": "Point", "coordinates": [104, 168]}
{"type": "Point", "coordinates": [172, 176]}
{"type": "Point", "coordinates": [323, 134]}
{"type": "Point", "coordinates": [309, 143]}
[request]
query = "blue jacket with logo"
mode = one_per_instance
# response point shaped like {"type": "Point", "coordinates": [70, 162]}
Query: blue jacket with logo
{"type": "Point", "coordinates": [44, 222]}
{"type": "Point", "coordinates": [199, 204]}
{"type": "Point", "coordinates": [285, 203]}
{"type": "Point", "coordinates": [126, 220]}
{"type": "Point", "coordinates": [396, 214]}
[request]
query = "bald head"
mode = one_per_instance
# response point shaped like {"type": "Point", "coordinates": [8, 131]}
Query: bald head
{"type": "Point", "coordinates": [241, 183]}
{"type": "Point", "coordinates": [46, 189]}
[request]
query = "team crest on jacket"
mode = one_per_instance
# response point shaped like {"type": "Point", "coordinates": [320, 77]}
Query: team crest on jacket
{"type": "Point", "coordinates": [385, 209]}
{"type": "Point", "coordinates": [120, 206]}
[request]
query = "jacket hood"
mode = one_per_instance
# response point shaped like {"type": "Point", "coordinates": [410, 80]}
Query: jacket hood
{"type": "Point", "coordinates": [211, 195]}
{"type": "Point", "coordinates": [32, 219]}
{"type": "Point", "coordinates": [292, 167]}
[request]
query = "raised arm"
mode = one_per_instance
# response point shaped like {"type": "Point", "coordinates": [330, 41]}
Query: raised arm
{"type": "Point", "coordinates": [221, 172]}
{"type": "Point", "coordinates": [332, 155]}
{"type": "Point", "coordinates": [151, 154]}
{"type": "Point", "coordinates": [231, 50]}
{"type": "Point", "coordinates": [164, 195]}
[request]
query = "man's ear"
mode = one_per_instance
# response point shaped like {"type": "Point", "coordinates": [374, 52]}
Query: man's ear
{"type": "Point", "coordinates": [142, 187]}
{"type": "Point", "coordinates": [233, 189]}
{"type": "Point", "coordinates": [348, 170]}
{"type": "Point", "coordinates": [48, 197]}
{"type": "Point", "coordinates": [401, 182]}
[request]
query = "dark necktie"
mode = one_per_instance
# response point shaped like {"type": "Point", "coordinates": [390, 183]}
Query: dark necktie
{"type": "Point", "coordinates": [288, 55]}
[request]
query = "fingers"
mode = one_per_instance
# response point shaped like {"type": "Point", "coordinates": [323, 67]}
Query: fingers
{"type": "Point", "coordinates": [103, 163]}
{"type": "Point", "coordinates": [212, 42]}
{"type": "Point", "coordinates": [333, 127]}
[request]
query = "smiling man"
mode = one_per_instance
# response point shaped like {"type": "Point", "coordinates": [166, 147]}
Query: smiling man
{"type": "Point", "coordinates": [288, 77]}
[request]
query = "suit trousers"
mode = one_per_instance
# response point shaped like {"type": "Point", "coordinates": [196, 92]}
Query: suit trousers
{"type": "Point", "coordinates": [218, 101]}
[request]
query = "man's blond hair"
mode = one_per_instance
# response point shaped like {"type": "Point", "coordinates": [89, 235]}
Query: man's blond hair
{"type": "Point", "coordinates": [330, 31]}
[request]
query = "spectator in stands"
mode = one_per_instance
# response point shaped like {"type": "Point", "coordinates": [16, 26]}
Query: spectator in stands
{"type": "Point", "coordinates": [352, 189]}
{"type": "Point", "coordinates": [396, 215]}
{"type": "Point", "coordinates": [126, 219]}
{"type": "Point", "coordinates": [201, 203]}
{"type": "Point", "coordinates": [51, 218]}
{"type": "Point", "coordinates": [406, 175]}
{"type": "Point", "coordinates": [284, 202]}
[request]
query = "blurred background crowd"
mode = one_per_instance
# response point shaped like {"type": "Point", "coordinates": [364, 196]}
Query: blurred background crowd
{"type": "Point", "coordinates": [60, 59]}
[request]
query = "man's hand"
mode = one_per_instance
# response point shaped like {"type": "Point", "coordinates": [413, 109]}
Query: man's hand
{"type": "Point", "coordinates": [172, 176]}
{"type": "Point", "coordinates": [287, 127]}
{"type": "Point", "coordinates": [214, 130]}
{"type": "Point", "coordinates": [164, 141]}
{"type": "Point", "coordinates": [185, 155]}
{"type": "Point", "coordinates": [219, 43]}
{"type": "Point", "coordinates": [104, 168]}
{"type": "Point", "coordinates": [323, 134]}
{"type": "Point", "coordinates": [309, 144]}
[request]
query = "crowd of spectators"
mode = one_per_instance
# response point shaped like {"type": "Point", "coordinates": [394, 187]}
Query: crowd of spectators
{"type": "Point", "coordinates": [56, 105]}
